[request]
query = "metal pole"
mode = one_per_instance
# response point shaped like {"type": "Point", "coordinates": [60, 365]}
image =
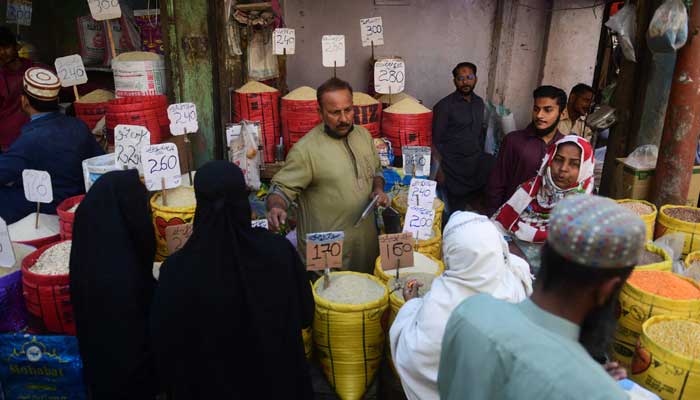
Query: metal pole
{"type": "Point", "coordinates": [679, 140]}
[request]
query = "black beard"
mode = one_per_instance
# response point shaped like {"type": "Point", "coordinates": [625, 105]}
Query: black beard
{"type": "Point", "coordinates": [546, 131]}
{"type": "Point", "coordinates": [598, 328]}
{"type": "Point", "coordinates": [334, 134]}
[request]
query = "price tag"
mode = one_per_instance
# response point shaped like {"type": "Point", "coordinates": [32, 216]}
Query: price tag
{"type": "Point", "coordinates": [283, 41]}
{"type": "Point", "coordinates": [372, 30]}
{"type": "Point", "coordinates": [419, 221]}
{"type": "Point", "coordinates": [37, 186]}
{"type": "Point", "coordinates": [232, 131]}
{"type": "Point", "coordinates": [128, 142]}
{"type": "Point", "coordinates": [421, 193]}
{"type": "Point", "coordinates": [71, 70]}
{"type": "Point", "coordinates": [176, 236]}
{"type": "Point", "coordinates": [416, 160]}
{"type": "Point", "coordinates": [7, 253]}
{"type": "Point", "coordinates": [259, 223]}
{"type": "Point", "coordinates": [389, 76]}
{"type": "Point", "coordinates": [19, 12]}
{"type": "Point", "coordinates": [105, 9]}
{"type": "Point", "coordinates": [324, 250]}
{"type": "Point", "coordinates": [333, 50]}
{"type": "Point", "coordinates": [396, 250]}
{"type": "Point", "coordinates": [183, 118]}
{"type": "Point", "coordinates": [161, 161]}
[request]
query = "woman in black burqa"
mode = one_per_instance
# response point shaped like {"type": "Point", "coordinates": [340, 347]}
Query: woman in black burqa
{"type": "Point", "coordinates": [111, 284]}
{"type": "Point", "coordinates": [228, 312]}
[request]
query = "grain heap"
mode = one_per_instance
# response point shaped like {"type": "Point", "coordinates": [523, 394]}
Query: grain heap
{"type": "Point", "coordinates": [138, 56]}
{"type": "Point", "coordinates": [299, 114]}
{"type": "Point", "coordinates": [407, 123]}
{"type": "Point", "coordinates": [351, 289]}
{"type": "Point", "coordinates": [258, 102]}
{"type": "Point", "coordinates": [678, 335]}
{"type": "Point", "coordinates": [301, 93]}
{"type": "Point", "coordinates": [24, 230]}
{"type": "Point", "coordinates": [664, 284]}
{"type": "Point", "coordinates": [684, 214]}
{"type": "Point", "coordinates": [389, 100]}
{"type": "Point", "coordinates": [363, 99]}
{"type": "Point", "coordinates": [408, 106]}
{"type": "Point", "coordinates": [649, 257]}
{"type": "Point", "coordinates": [368, 112]}
{"type": "Point", "coordinates": [638, 208]}
{"type": "Point", "coordinates": [54, 261]}
{"type": "Point", "coordinates": [178, 197]}
{"type": "Point", "coordinates": [74, 208]}
{"type": "Point", "coordinates": [422, 264]}
{"type": "Point", "coordinates": [255, 87]}
{"type": "Point", "coordinates": [424, 278]}
{"type": "Point", "coordinates": [96, 96]}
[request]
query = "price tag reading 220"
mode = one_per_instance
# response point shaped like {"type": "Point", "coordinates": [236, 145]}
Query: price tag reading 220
{"type": "Point", "coordinates": [396, 250]}
{"type": "Point", "coordinates": [128, 142]}
{"type": "Point", "coordinates": [161, 161]}
{"type": "Point", "coordinates": [324, 250]}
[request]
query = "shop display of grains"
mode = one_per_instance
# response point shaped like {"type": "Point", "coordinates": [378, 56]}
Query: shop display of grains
{"type": "Point", "coordinates": [638, 208]}
{"type": "Point", "coordinates": [407, 123]}
{"type": "Point", "coordinates": [422, 264]}
{"type": "Point", "coordinates": [649, 257]}
{"type": "Point", "coordinates": [664, 284]}
{"type": "Point", "coordinates": [426, 279]}
{"type": "Point", "coordinates": [54, 261]}
{"type": "Point", "coordinates": [299, 115]}
{"type": "Point", "coordinates": [25, 229]}
{"type": "Point", "coordinates": [305, 93]}
{"type": "Point", "coordinates": [96, 96]}
{"type": "Point", "coordinates": [408, 106]}
{"type": "Point", "coordinates": [258, 102]}
{"type": "Point", "coordinates": [368, 112]}
{"type": "Point", "coordinates": [178, 197]}
{"type": "Point", "coordinates": [138, 56]}
{"type": "Point", "coordinates": [684, 214]}
{"type": "Point", "coordinates": [677, 335]}
{"type": "Point", "coordinates": [350, 289]}
{"type": "Point", "coordinates": [389, 100]}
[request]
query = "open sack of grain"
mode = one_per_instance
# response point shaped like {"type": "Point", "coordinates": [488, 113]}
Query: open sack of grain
{"type": "Point", "coordinates": [646, 211]}
{"type": "Point", "coordinates": [66, 214]}
{"type": "Point", "coordinates": [407, 123]}
{"type": "Point", "coordinates": [181, 204]}
{"type": "Point", "coordinates": [14, 312]}
{"type": "Point", "coordinates": [46, 289]}
{"type": "Point", "coordinates": [139, 73]}
{"type": "Point", "coordinates": [368, 112]}
{"type": "Point", "coordinates": [422, 264]}
{"type": "Point", "coordinates": [682, 219]}
{"type": "Point", "coordinates": [654, 258]}
{"type": "Point", "coordinates": [92, 107]}
{"type": "Point", "coordinates": [258, 102]}
{"type": "Point", "coordinates": [25, 230]}
{"type": "Point", "coordinates": [389, 100]}
{"type": "Point", "coordinates": [347, 330]}
{"type": "Point", "coordinates": [299, 113]}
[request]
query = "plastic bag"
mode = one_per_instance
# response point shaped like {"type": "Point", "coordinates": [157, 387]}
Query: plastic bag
{"type": "Point", "coordinates": [643, 157]}
{"type": "Point", "coordinates": [624, 23]}
{"type": "Point", "coordinates": [244, 152]}
{"type": "Point", "coordinates": [501, 121]}
{"type": "Point", "coordinates": [673, 244]}
{"type": "Point", "coordinates": [668, 30]}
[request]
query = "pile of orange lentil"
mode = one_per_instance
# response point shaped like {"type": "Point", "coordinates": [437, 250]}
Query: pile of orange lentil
{"type": "Point", "coordinates": [664, 284]}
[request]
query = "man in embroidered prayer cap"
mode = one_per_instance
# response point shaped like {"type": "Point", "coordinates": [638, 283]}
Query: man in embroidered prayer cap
{"type": "Point", "coordinates": [541, 348]}
{"type": "Point", "coordinates": [50, 142]}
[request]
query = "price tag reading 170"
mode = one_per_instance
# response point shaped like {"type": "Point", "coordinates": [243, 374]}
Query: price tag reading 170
{"type": "Point", "coordinates": [416, 160]}
{"type": "Point", "coordinates": [37, 186]}
{"type": "Point", "coordinates": [176, 236]}
{"type": "Point", "coordinates": [419, 221]}
{"type": "Point", "coordinates": [71, 70]}
{"type": "Point", "coordinates": [161, 161]}
{"type": "Point", "coordinates": [421, 193]}
{"type": "Point", "coordinates": [324, 250]}
{"type": "Point", "coordinates": [7, 253]}
{"type": "Point", "coordinates": [389, 76]}
{"type": "Point", "coordinates": [105, 9]}
{"type": "Point", "coordinates": [283, 41]}
{"type": "Point", "coordinates": [183, 118]}
{"type": "Point", "coordinates": [128, 142]}
{"type": "Point", "coordinates": [333, 47]}
{"type": "Point", "coordinates": [372, 31]}
{"type": "Point", "coordinates": [396, 250]}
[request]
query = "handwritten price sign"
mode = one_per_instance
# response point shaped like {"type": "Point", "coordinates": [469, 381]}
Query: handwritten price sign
{"type": "Point", "coordinates": [183, 118]}
{"type": "Point", "coordinates": [421, 193]}
{"type": "Point", "coordinates": [372, 31]}
{"type": "Point", "coordinates": [176, 236]}
{"type": "Point", "coordinates": [19, 12]}
{"type": "Point", "coordinates": [333, 50]}
{"type": "Point", "coordinates": [324, 250]}
{"type": "Point", "coordinates": [396, 250]}
{"type": "Point", "coordinates": [71, 70]}
{"type": "Point", "coordinates": [389, 76]}
{"type": "Point", "coordinates": [37, 186]}
{"type": "Point", "coordinates": [128, 142]}
{"type": "Point", "coordinates": [416, 160]}
{"type": "Point", "coordinates": [419, 222]}
{"type": "Point", "coordinates": [161, 161]}
{"type": "Point", "coordinates": [7, 253]}
{"type": "Point", "coordinates": [105, 9]}
{"type": "Point", "coordinates": [259, 223]}
{"type": "Point", "coordinates": [283, 41]}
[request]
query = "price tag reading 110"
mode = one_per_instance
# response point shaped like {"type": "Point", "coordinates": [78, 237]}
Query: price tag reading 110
{"type": "Point", "coordinates": [324, 250]}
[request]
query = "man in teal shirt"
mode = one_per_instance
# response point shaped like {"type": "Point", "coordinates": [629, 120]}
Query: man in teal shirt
{"type": "Point", "coordinates": [540, 348]}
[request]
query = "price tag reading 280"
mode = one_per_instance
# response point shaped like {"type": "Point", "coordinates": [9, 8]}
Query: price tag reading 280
{"type": "Point", "coordinates": [183, 118]}
{"type": "Point", "coordinates": [161, 161]}
{"type": "Point", "coordinates": [128, 142]}
{"type": "Point", "coordinates": [389, 76]}
{"type": "Point", "coordinates": [396, 250]}
{"type": "Point", "coordinates": [324, 250]}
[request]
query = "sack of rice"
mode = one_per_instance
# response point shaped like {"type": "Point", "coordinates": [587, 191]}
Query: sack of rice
{"type": "Point", "coordinates": [258, 102]}
{"type": "Point", "coordinates": [646, 211]}
{"type": "Point", "coordinates": [180, 210]}
{"type": "Point", "coordinates": [368, 113]}
{"type": "Point", "coordinates": [654, 258]}
{"type": "Point", "coordinates": [407, 123]}
{"type": "Point", "coordinates": [25, 230]}
{"type": "Point", "coordinates": [14, 312]}
{"type": "Point", "coordinates": [299, 113]}
{"type": "Point", "coordinates": [400, 204]}
{"type": "Point", "coordinates": [389, 100]}
{"type": "Point", "coordinates": [666, 357]}
{"type": "Point", "coordinates": [92, 107]}
{"type": "Point", "coordinates": [682, 219]}
{"type": "Point", "coordinates": [95, 167]}
{"type": "Point", "coordinates": [348, 332]}
{"type": "Point", "coordinates": [139, 73]}
{"type": "Point", "coordinates": [646, 294]}
{"type": "Point", "coordinates": [45, 283]}
{"type": "Point", "coordinates": [423, 264]}
{"type": "Point", "coordinates": [66, 215]}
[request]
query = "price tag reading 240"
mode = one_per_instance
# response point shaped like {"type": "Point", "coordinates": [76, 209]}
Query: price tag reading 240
{"type": "Point", "coordinates": [283, 41]}
{"type": "Point", "coordinates": [71, 70]}
{"type": "Point", "coordinates": [37, 186]}
{"type": "Point", "coordinates": [128, 142]}
{"type": "Point", "coordinates": [161, 161]}
{"type": "Point", "coordinates": [422, 193]}
{"type": "Point", "coordinates": [396, 250]}
{"type": "Point", "coordinates": [324, 250]}
{"type": "Point", "coordinates": [183, 118]}
{"type": "Point", "coordinates": [372, 31]}
{"type": "Point", "coordinates": [419, 221]}
{"type": "Point", "coordinates": [389, 76]}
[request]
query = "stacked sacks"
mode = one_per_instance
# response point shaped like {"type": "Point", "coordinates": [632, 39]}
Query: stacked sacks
{"type": "Point", "coordinates": [299, 113]}
{"type": "Point", "coordinates": [407, 123]}
{"type": "Point", "coordinates": [92, 107]}
{"type": "Point", "coordinates": [368, 112]}
{"type": "Point", "coordinates": [258, 102]}
{"type": "Point", "coordinates": [148, 111]}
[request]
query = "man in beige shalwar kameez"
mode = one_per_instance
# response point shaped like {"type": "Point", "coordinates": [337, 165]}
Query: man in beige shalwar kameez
{"type": "Point", "coordinates": [332, 173]}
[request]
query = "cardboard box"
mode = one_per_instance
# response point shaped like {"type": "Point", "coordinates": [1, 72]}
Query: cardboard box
{"type": "Point", "coordinates": [636, 183]}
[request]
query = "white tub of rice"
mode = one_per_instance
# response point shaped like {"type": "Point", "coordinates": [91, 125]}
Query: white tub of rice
{"type": "Point", "coordinates": [422, 264]}
{"type": "Point", "coordinates": [351, 289]}
{"type": "Point", "coordinates": [139, 73]}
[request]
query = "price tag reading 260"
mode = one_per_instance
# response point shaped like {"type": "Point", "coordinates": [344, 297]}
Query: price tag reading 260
{"type": "Point", "coordinates": [161, 161]}
{"type": "Point", "coordinates": [396, 250]}
{"type": "Point", "coordinates": [324, 250]}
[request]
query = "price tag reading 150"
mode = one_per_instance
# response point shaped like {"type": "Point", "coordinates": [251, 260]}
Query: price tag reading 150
{"type": "Point", "coordinates": [396, 250]}
{"type": "Point", "coordinates": [389, 76]}
{"type": "Point", "coordinates": [161, 161]}
{"type": "Point", "coordinates": [183, 118]}
{"type": "Point", "coordinates": [324, 250]}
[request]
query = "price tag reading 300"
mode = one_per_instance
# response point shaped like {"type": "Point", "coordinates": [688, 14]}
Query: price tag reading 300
{"type": "Point", "coordinates": [71, 70]}
{"type": "Point", "coordinates": [105, 9]}
{"type": "Point", "coordinates": [389, 76]}
{"type": "Point", "coordinates": [161, 161]}
{"type": "Point", "coordinates": [128, 142]}
{"type": "Point", "coordinates": [37, 186]}
{"type": "Point", "coordinates": [283, 41]}
{"type": "Point", "coordinates": [324, 250]}
{"type": "Point", "coordinates": [183, 118]}
{"type": "Point", "coordinates": [372, 31]}
{"type": "Point", "coordinates": [333, 47]}
{"type": "Point", "coordinates": [419, 221]}
{"type": "Point", "coordinates": [396, 250]}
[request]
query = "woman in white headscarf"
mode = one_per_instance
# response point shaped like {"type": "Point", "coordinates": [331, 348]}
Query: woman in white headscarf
{"type": "Point", "coordinates": [477, 260]}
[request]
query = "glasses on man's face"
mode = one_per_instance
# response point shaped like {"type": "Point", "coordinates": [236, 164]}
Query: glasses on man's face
{"type": "Point", "coordinates": [463, 78]}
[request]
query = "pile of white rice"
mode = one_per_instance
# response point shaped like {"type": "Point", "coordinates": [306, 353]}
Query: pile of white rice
{"type": "Point", "coordinates": [181, 196]}
{"type": "Point", "coordinates": [96, 96]}
{"type": "Point", "coordinates": [422, 264]}
{"type": "Point", "coordinates": [350, 289]}
{"type": "Point", "coordinates": [24, 230]}
{"type": "Point", "coordinates": [54, 261]}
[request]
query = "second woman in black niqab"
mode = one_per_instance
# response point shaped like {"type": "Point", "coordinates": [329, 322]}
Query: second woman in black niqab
{"type": "Point", "coordinates": [230, 305]}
